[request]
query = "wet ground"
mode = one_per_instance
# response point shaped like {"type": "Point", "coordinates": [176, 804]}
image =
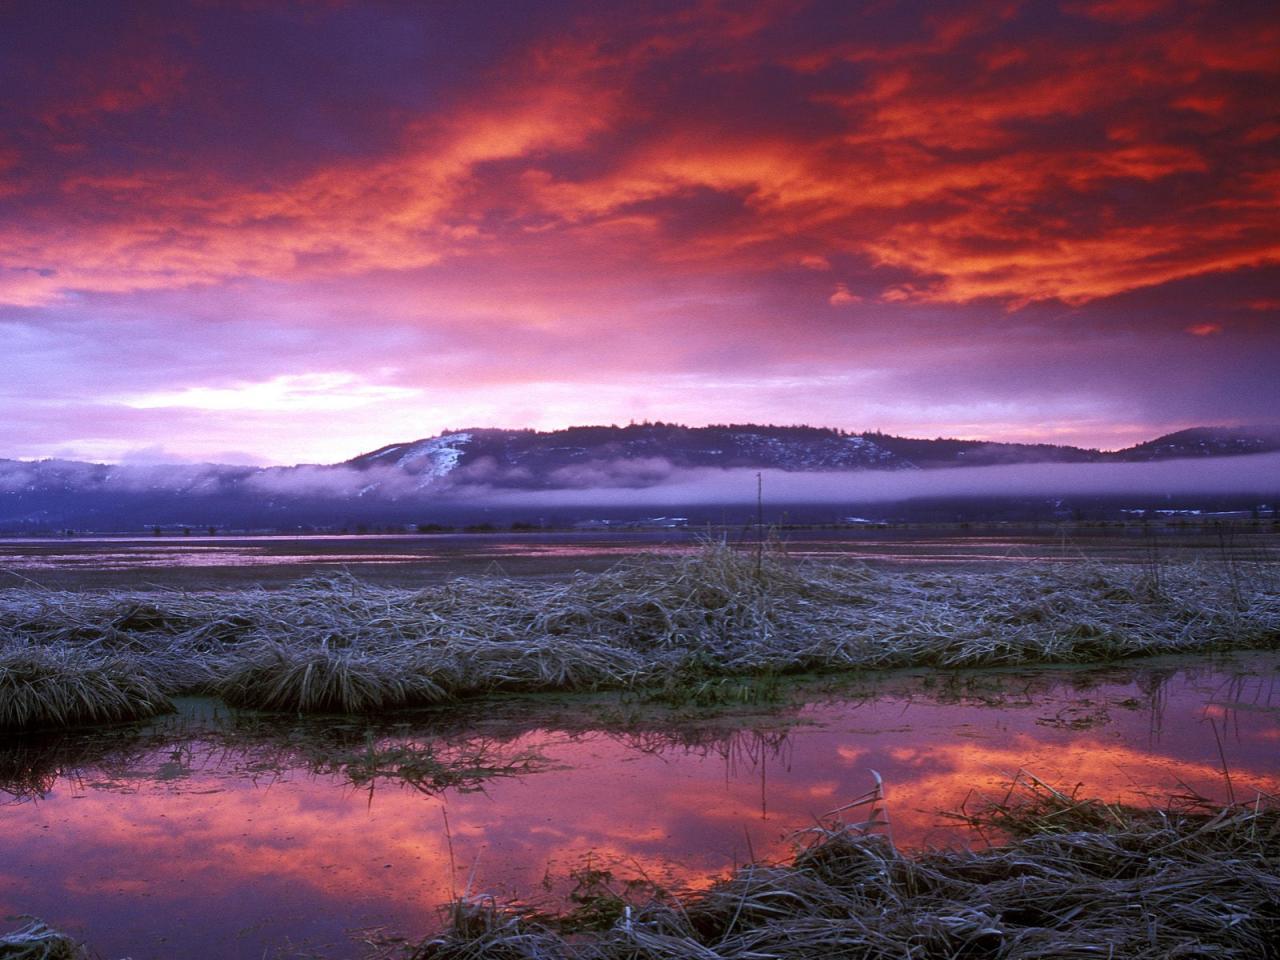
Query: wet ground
{"type": "Point", "coordinates": [222, 834]}
{"type": "Point", "coordinates": [227, 561]}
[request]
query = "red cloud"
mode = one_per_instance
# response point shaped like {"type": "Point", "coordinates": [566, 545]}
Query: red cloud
{"type": "Point", "coordinates": [1117, 11]}
{"type": "Point", "coordinates": [986, 167]}
{"type": "Point", "coordinates": [121, 84]}
{"type": "Point", "coordinates": [843, 297]}
{"type": "Point", "coordinates": [160, 229]}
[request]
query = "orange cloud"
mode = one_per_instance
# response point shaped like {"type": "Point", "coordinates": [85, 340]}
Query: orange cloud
{"type": "Point", "coordinates": [885, 189]}
{"type": "Point", "coordinates": [843, 297]}
{"type": "Point", "coordinates": [1021, 171]}
{"type": "Point", "coordinates": [173, 229]}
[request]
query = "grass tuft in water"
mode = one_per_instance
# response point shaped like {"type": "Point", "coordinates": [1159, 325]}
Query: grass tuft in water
{"type": "Point", "coordinates": [1072, 878]}
{"type": "Point", "coordinates": [37, 941]}
{"type": "Point", "coordinates": [54, 687]}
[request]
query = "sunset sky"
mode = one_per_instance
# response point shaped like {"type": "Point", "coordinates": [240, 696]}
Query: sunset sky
{"type": "Point", "coordinates": [275, 232]}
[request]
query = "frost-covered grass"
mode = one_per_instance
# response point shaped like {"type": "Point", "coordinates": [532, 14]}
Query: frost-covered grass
{"type": "Point", "coordinates": [35, 940]}
{"type": "Point", "coordinates": [62, 685]}
{"type": "Point", "coordinates": [340, 645]}
{"type": "Point", "coordinates": [1074, 879]}
{"type": "Point", "coordinates": [1068, 878]}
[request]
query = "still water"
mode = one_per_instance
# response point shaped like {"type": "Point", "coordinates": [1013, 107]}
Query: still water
{"type": "Point", "coordinates": [194, 562]}
{"type": "Point", "coordinates": [221, 834]}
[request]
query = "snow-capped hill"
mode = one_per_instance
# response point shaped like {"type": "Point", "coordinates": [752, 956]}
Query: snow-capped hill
{"type": "Point", "coordinates": [642, 454]}
{"type": "Point", "coordinates": [423, 462]}
{"type": "Point", "coordinates": [428, 460]}
{"type": "Point", "coordinates": [461, 467]}
{"type": "Point", "coordinates": [532, 459]}
{"type": "Point", "coordinates": [808, 453]}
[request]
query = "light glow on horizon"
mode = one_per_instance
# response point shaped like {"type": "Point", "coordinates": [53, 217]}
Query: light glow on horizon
{"type": "Point", "coordinates": [307, 392]}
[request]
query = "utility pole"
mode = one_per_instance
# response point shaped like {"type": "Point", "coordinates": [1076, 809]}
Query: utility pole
{"type": "Point", "coordinates": [759, 525]}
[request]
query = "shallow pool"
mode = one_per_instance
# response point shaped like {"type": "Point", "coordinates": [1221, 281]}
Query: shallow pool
{"type": "Point", "coordinates": [221, 834]}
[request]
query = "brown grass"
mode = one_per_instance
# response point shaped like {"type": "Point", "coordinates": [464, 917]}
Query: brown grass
{"type": "Point", "coordinates": [323, 681]}
{"type": "Point", "coordinates": [341, 645]}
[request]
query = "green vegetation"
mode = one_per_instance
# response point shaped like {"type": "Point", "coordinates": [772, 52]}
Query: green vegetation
{"type": "Point", "coordinates": [715, 626]}
{"type": "Point", "coordinates": [1072, 879]}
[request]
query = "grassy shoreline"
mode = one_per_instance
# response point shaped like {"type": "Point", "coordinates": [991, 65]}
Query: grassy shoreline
{"type": "Point", "coordinates": [1070, 877]}
{"type": "Point", "coordinates": [1066, 877]}
{"type": "Point", "coordinates": [682, 623]}
{"type": "Point", "coordinates": [470, 742]}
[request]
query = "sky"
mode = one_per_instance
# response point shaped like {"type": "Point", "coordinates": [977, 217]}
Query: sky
{"type": "Point", "coordinates": [279, 232]}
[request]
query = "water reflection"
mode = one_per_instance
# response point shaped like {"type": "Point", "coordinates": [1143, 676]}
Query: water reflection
{"type": "Point", "coordinates": [220, 834]}
{"type": "Point", "coordinates": [413, 554]}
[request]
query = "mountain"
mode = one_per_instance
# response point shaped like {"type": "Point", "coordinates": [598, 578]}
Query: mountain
{"type": "Point", "coordinates": [1204, 442]}
{"type": "Point", "coordinates": [640, 454]}
{"type": "Point", "coordinates": [451, 474]}
{"type": "Point", "coordinates": [636, 455]}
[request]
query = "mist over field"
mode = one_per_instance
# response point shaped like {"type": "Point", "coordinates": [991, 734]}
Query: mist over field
{"type": "Point", "coordinates": [1258, 474]}
{"type": "Point", "coordinates": [655, 481]}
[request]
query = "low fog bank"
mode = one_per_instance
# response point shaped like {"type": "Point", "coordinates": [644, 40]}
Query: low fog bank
{"type": "Point", "coordinates": [1259, 475]}
{"type": "Point", "coordinates": [17, 476]}
{"type": "Point", "coordinates": [651, 481]}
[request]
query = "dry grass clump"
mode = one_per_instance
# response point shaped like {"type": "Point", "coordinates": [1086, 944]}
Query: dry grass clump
{"type": "Point", "coordinates": [325, 681]}
{"type": "Point", "coordinates": [1077, 879]}
{"type": "Point", "coordinates": [337, 644]}
{"type": "Point", "coordinates": [37, 941]}
{"type": "Point", "coordinates": [50, 687]}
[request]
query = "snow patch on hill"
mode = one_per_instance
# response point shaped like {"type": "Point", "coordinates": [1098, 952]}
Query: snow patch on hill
{"type": "Point", "coordinates": [433, 459]}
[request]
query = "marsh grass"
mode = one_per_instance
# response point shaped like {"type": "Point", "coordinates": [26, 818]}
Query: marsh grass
{"type": "Point", "coordinates": [63, 686]}
{"type": "Point", "coordinates": [697, 626]}
{"type": "Point", "coordinates": [319, 680]}
{"type": "Point", "coordinates": [34, 940]}
{"type": "Point", "coordinates": [1071, 878]}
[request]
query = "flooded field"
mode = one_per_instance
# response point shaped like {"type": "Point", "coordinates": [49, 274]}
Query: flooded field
{"type": "Point", "coordinates": [221, 832]}
{"type": "Point", "coordinates": [216, 833]}
{"type": "Point", "coordinates": [209, 562]}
